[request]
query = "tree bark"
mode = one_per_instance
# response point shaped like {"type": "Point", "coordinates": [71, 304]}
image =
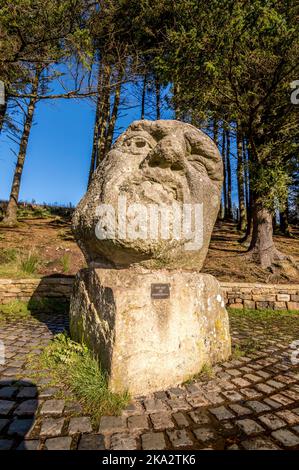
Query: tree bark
{"type": "Point", "coordinates": [262, 248]}
{"type": "Point", "coordinates": [143, 97]}
{"type": "Point", "coordinates": [158, 99]}
{"type": "Point", "coordinates": [229, 177]}
{"type": "Point", "coordinates": [240, 177]}
{"type": "Point", "coordinates": [94, 144]}
{"type": "Point", "coordinates": [113, 117]}
{"type": "Point", "coordinates": [284, 223]}
{"type": "Point", "coordinates": [224, 175]}
{"type": "Point", "coordinates": [10, 218]}
{"type": "Point", "coordinates": [3, 109]}
{"type": "Point", "coordinates": [104, 114]}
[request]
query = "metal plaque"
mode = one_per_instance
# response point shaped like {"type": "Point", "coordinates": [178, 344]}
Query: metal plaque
{"type": "Point", "coordinates": [160, 291]}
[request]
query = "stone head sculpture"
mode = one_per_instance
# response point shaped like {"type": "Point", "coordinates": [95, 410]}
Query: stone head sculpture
{"type": "Point", "coordinates": [153, 200]}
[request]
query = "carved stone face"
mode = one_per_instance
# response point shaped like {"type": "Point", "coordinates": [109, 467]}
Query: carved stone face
{"type": "Point", "coordinates": [154, 164]}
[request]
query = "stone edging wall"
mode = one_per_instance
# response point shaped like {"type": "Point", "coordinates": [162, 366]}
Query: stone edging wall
{"type": "Point", "coordinates": [236, 295]}
{"type": "Point", "coordinates": [255, 296]}
{"type": "Point", "coordinates": [26, 289]}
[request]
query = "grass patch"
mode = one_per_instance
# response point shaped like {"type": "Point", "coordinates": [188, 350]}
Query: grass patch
{"type": "Point", "coordinates": [29, 212]}
{"type": "Point", "coordinates": [206, 373]}
{"type": "Point", "coordinates": [261, 314]}
{"type": "Point", "coordinates": [20, 309]}
{"type": "Point", "coordinates": [72, 364]}
{"type": "Point", "coordinates": [65, 262]}
{"type": "Point", "coordinates": [30, 263]}
{"type": "Point", "coordinates": [15, 264]}
{"type": "Point", "coordinates": [245, 347]}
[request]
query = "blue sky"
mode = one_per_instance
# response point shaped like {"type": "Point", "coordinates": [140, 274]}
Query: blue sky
{"type": "Point", "coordinates": [57, 162]}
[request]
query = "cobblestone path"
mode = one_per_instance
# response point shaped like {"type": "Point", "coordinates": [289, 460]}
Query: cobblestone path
{"type": "Point", "coordinates": [251, 402]}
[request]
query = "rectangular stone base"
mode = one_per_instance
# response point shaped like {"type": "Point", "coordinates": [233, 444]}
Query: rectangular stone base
{"type": "Point", "coordinates": [150, 337]}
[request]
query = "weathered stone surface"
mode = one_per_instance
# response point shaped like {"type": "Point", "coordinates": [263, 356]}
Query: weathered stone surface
{"type": "Point", "coordinates": [123, 442]}
{"type": "Point", "coordinates": [153, 162]}
{"type": "Point", "coordinates": [153, 441]}
{"type": "Point", "coordinates": [20, 427]}
{"type": "Point", "coordinates": [53, 407]}
{"type": "Point", "coordinates": [6, 406]}
{"type": "Point", "coordinates": [52, 427]}
{"type": "Point", "coordinates": [58, 443]}
{"type": "Point", "coordinates": [179, 438]}
{"type": "Point", "coordinates": [80, 425]}
{"type": "Point", "coordinates": [249, 427]}
{"type": "Point", "coordinates": [147, 344]}
{"type": "Point", "coordinates": [92, 442]}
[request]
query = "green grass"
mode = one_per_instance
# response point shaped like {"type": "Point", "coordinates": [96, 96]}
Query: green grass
{"type": "Point", "coordinates": [8, 255]}
{"type": "Point", "coordinates": [30, 263]}
{"type": "Point", "coordinates": [16, 264]}
{"type": "Point", "coordinates": [20, 309]}
{"type": "Point", "coordinates": [29, 212]}
{"type": "Point", "coordinates": [261, 314]}
{"type": "Point", "coordinates": [65, 262]}
{"type": "Point", "coordinates": [73, 365]}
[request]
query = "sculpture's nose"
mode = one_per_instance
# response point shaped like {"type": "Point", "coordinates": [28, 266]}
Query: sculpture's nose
{"type": "Point", "coordinates": [168, 153]}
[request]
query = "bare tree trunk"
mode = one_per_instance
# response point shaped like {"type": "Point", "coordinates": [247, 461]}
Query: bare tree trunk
{"type": "Point", "coordinates": [94, 143]}
{"type": "Point", "coordinates": [143, 97]}
{"type": "Point", "coordinates": [10, 218]}
{"type": "Point", "coordinates": [284, 222]}
{"type": "Point", "coordinates": [113, 117]}
{"type": "Point", "coordinates": [240, 177]}
{"type": "Point", "coordinates": [224, 174]}
{"type": "Point", "coordinates": [229, 177]}
{"type": "Point", "coordinates": [158, 99]}
{"type": "Point", "coordinates": [216, 132]}
{"type": "Point", "coordinates": [104, 113]}
{"type": "Point", "coordinates": [176, 94]}
{"type": "Point", "coordinates": [3, 109]}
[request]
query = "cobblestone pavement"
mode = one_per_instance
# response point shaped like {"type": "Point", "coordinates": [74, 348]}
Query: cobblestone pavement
{"type": "Point", "coordinates": [251, 402]}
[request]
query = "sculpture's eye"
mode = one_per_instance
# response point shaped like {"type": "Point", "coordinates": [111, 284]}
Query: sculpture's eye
{"type": "Point", "coordinates": [137, 145]}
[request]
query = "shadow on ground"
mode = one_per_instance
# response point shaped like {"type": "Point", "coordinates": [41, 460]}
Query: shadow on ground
{"type": "Point", "coordinates": [50, 304]}
{"type": "Point", "coordinates": [18, 406]}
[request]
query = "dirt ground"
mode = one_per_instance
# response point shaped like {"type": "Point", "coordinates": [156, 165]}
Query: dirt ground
{"type": "Point", "coordinates": [52, 241]}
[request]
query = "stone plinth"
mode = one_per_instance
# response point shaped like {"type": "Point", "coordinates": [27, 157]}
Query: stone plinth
{"type": "Point", "coordinates": [147, 343]}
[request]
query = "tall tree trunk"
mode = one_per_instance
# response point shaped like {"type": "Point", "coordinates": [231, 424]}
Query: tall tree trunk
{"type": "Point", "coordinates": [113, 117]}
{"type": "Point", "coordinates": [104, 113]}
{"type": "Point", "coordinates": [10, 218]}
{"type": "Point", "coordinates": [284, 221]}
{"type": "Point", "coordinates": [94, 153]}
{"type": "Point", "coordinates": [143, 97]}
{"type": "Point", "coordinates": [94, 143]}
{"type": "Point", "coordinates": [176, 94]}
{"type": "Point", "coordinates": [3, 109]}
{"type": "Point", "coordinates": [216, 132]}
{"type": "Point", "coordinates": [158, 99]}
{"type": "Point", "coordinates": [224, 175]}
{"type": "Point", "coordinates": [216, 140]}
{"type": "Point", "coordinates": [262, 248]}
{"type": "Point", "coordinates": [240, 177]}
{"type": "Point", "coordinates": [229, 177]}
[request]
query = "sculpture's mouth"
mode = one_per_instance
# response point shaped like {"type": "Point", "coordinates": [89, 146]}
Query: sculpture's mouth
{"type": "Point", "coordinates": [151, 189]}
